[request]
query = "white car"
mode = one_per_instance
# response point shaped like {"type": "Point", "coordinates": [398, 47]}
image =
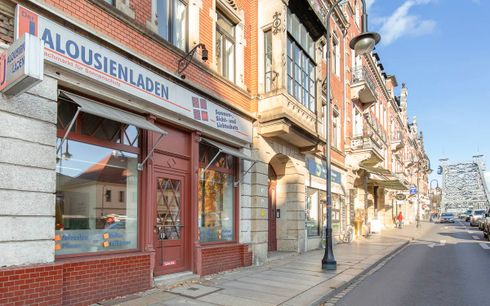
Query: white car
{"type": "Point", "coordinates": [476, 215]}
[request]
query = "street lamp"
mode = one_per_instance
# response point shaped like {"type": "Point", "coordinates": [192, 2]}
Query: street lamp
{"type": "Point", "coordinates": [363, 44]}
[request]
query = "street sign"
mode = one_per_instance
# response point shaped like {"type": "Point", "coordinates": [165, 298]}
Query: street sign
{"type": "Point", "coordinates": [413, 190]}
{"type": "Point", "coordinates": [400, 196]}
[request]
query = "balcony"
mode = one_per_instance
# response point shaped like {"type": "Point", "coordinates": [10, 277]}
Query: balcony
{"type": "Point", "coordinates": [281, 116]}
{"type": "Point", "coordinates": [397, 142]}
{"type": "Point", "coordinates": [368, 149]}
{"type": "Point", "coordinates": [363, 87]}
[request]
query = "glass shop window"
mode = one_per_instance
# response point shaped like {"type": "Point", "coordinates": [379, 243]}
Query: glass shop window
{"type": "Point", "coordinates": [96, 163]}
{"type": "Point", "coordinates": [216, 215]}
{"type": "Point", "coordinates": [314, 201]}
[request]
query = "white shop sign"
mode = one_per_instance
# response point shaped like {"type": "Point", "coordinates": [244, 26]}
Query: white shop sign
{"type": "Point", "coordinates": [21, 65]}
{"type": "Point", "coordinates": [72, 51]}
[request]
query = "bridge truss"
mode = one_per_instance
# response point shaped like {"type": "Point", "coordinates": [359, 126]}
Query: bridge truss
{"type": "Point", "coordinates": [464, 186]}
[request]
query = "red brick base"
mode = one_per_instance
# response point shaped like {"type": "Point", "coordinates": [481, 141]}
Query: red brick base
{"type": "Point", "coordinates": [75, 281]}
{"type": "Point", "coordinates": [214, 259]}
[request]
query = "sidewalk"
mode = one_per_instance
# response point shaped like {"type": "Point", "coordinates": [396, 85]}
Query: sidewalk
{"type": "Point", "coordinates": [292, 280]}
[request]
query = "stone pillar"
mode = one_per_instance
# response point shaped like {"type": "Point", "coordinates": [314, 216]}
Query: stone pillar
{"type": "Point", "coordinates": [27, 175]}
{"type": "Point", "coordinates": [259, 212]}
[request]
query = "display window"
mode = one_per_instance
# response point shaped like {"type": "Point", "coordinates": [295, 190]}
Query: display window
{"type": "Point", "coordinates": [216, 196]}
{"type": "Point", "coordinates": [315, 201]}
{"type": "Point", "coordinates": [96, 184]}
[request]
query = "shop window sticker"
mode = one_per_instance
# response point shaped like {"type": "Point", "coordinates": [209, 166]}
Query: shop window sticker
{"type": "Point", "coordinates": [200, 109]}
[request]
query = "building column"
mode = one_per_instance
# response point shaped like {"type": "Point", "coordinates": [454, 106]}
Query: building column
{"type": "Point", "coordinates": [28, 175]}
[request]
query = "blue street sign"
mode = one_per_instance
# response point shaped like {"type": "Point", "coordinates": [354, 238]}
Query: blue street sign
{"type": "Point", "coordinates": [413, 189]}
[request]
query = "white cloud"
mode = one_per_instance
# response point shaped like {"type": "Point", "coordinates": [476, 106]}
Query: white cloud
{"type": "Point", "coordinates": [370, 3]}
{"type": "Point", "coordinates": [402, 23]}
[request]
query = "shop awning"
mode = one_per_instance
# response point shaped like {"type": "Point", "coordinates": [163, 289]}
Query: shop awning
{"type": "Point", "coordinates": [385, 178]}
{"type": "Point", "coordinates": [227, 150]}
{"type": "Point", "coordinates": [112, 113]}
{"type": "Point", "coordinates": [105, 111]}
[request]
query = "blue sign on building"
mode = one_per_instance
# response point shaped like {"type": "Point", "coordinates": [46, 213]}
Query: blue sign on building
{"type": "Point", "coordinates": [413, 189]}
{"type": "Point", "coordinates": [320, 169]}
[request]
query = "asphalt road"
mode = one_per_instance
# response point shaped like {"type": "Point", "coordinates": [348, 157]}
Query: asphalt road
{"type": "Point", "coordinates": [450, 265]}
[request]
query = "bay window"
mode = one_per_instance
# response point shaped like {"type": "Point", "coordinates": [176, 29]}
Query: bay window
{"type": "Point", "coordinates": [172, 22]}
{"type": "Point", "coordinates": [300, 63]}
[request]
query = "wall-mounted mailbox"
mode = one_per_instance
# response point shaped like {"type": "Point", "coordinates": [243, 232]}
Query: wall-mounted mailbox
{"type": "Point", "coordinates": [278, 213]}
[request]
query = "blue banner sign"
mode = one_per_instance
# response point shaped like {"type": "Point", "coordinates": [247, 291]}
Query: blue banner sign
{"type": "Point", "coordinates": [320, 169]}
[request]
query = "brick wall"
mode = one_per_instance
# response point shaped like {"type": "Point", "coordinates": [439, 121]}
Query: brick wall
{"type": "Point", "coordinates": [41, 284]}
{"type": "Point", "coordinates": [75, 282]}
{"type": "Point", "coordinates": [220, 258]}
{"type": "Point", "coordinates": [135, 36]}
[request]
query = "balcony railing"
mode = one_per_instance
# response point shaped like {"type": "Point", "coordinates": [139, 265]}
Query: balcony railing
{"type": "Point", "coordinates": [361, 74]}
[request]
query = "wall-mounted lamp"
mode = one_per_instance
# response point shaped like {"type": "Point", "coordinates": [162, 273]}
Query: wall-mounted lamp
{"type": "Point", "coordinates": [185, 61]}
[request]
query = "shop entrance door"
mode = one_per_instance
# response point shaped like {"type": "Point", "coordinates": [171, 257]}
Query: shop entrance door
{"type": "Point", "coordinates": [272, 245]}
{"type": "Point", "coordinates": [171, 226]}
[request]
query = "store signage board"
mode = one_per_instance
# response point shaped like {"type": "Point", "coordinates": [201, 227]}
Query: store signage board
{"type": "Point", "coordinates": [320, 169]}
{"type": "Point", "coordinates": [74, 52]}
{"type": "Point", "coordinates": [21, 65]}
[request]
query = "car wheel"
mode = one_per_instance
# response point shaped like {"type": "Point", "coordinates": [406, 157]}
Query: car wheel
{"type": "Point", "coordinates": [485, 235]}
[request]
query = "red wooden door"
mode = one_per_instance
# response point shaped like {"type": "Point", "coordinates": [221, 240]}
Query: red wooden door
{"type": "Point", "coordinates": [272, 246]}
{"type": "Point", "coordinates": [171, 226]}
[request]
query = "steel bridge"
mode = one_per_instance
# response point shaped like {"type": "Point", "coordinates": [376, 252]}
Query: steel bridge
{"type": "Point", "coordinates": [463, 185]}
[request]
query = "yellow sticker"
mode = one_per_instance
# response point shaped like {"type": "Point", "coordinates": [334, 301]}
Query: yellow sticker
{"type": "Point", "coordinates": [105, 244]}
{"type": "Point", "coordinates": [262, 213]}
{"type": "Point", "coordinates": [57, 247]}
{"type": "Point", "coordinates": [57, 237]}
{"type": "Point", "coordinates": [105, 235]}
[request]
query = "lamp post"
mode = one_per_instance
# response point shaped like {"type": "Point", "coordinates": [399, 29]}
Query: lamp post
{"type": "Point", "coordinates": [362, 44]}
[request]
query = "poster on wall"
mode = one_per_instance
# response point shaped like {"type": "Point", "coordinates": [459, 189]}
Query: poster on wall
{"type": "Point", "coordinates": [77, 53]}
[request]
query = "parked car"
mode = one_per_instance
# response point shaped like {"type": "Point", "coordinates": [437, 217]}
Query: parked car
{"type": "Point", "coordinates": [476, 215]}
{"type": "Point", "coordinates": [486, 225]}
{"type": "Point", "coordinates": [446, 217]}
{"type": "Point", "coordinates": [465, 215]}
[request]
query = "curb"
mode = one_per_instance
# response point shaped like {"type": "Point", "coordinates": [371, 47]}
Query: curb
{"type": "Point", "coordinates": [342, 287]}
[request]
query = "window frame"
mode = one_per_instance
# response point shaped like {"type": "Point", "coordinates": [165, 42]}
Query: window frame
{"type": "Point", "coordinates": [236, 199]}
{"type": "Point", "coordinates": [293, 79]}
{"type": "Point", "coordinates": [268, 32]}
{"type": "Point", "coordinates": [171, 20]}
{"type": "Point", "coordinates": [90, 140]}
{"type": "Point", "coordinates": [227, 37]}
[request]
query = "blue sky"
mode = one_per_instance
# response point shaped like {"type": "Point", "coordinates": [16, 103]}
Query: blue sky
{"type": "Point", "coordinates": [441, 50]}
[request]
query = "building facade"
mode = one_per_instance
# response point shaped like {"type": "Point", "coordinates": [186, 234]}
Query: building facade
{"type": "Point", "coordinates": [189, 136]}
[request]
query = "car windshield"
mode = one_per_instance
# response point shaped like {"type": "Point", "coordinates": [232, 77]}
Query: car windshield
{"type": "Point", "coordinates": [479, 212]}
{"type": "Point", "coordinates": [447, 215]}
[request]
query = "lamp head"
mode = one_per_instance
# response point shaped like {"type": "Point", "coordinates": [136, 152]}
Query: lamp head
{"type": "Point", "coordinates": [364, 43]}
{"type": "Point", "coordinates": [204, 54]}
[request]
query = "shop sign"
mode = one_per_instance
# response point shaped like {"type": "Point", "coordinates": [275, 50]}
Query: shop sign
{"type": "Point", "coordinates": [400, 196]}
{"type": "Point", "coordinates": [21, 65]}
{"type": "Point", "coordinates": [74, 52]}
{"type": "Point", "coordinates": [320, 169]}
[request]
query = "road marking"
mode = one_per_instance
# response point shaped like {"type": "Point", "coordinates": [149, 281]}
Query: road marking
{"type": "Point", "coordinates": [445, 227]}
{"type": "Point", "coordinates": [441, 243]}
{"type": "Point", "coordinates": [476, 237]}
{"type": "Point", "coordinates": [484, 246]}
{"type": "Point", "coordinates": [470, 232]}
